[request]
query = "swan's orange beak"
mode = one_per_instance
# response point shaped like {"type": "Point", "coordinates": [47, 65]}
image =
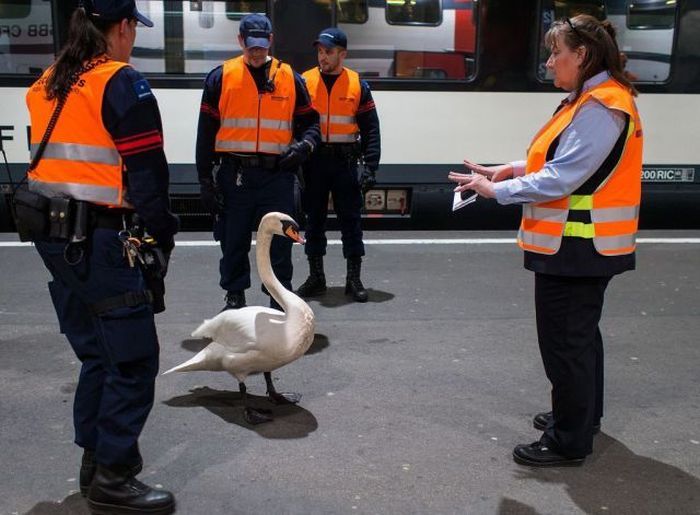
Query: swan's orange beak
{"type": "Point", "coordinates": [293, 233]}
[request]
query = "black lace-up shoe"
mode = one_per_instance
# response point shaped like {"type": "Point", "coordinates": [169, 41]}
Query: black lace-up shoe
{"type": "Point", "coordinates": [234, 300]}
{"type": "Point", "coordinates": [539, 454]}
{"type": "Point", "coordinates": [115, 491]}
{"type": "Point", "coordinates": [542, 420]}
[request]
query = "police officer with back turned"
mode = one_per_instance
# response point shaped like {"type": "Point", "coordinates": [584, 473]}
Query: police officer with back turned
{"type": "Point", "coordinates": [347, 113]}
{"type": "Point", "coordinates": [96, 128]}
{"type": "Point", "coordinates": [256, 122]}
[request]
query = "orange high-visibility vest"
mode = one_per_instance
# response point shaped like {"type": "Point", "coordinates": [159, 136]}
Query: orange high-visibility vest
{"type": "Point", "coordinates": [613, 206]}
{"type": "Point", "coordinates": [337, 110]}
{"type": "Point", "coordinates": [253, 122]}
{"type": "Point", "coordinates": [81, 160]}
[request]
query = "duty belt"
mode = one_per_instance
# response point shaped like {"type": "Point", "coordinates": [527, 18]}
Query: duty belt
{"type": "Point", "coordinates": [265, 162]}
{"type": "Point", "coordinates": [338, 149]}
{"type": "Point", "coordinates": [110, 218]}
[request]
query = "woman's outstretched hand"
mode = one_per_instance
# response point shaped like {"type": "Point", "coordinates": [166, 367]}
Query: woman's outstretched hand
{"type": "Point", "coordinates": [472, 181]}
{"type": "Point", "coordinates": [493, 173]}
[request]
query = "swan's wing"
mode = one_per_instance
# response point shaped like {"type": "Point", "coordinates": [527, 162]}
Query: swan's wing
{"type": "Point", "coordinates": [249, 328]}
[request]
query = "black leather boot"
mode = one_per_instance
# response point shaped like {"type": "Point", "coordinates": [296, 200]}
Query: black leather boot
{"type": "Point", "coordinates": [114, 490]}
{"type": "Point", "coordinates": [353, 284]}
{"type": "Point", "coordinates": [88, 466]}
{"type": "Point", "coordinates": [234, 300]}
{"type": "Point", "coordinates": [316, 282]}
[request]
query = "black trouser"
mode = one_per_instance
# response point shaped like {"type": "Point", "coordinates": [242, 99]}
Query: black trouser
{"type": "Point", "coordinates": [249, 194]}
{"type": "Point", "coordinates": [568, 313]}
{"type": "Point", "coordinates": [337, 175]}
{"type": "Point", "coordinates": [118, 348]}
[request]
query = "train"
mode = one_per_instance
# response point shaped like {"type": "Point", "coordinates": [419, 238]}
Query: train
{"type": "Point", "coordinates": [452, 79]}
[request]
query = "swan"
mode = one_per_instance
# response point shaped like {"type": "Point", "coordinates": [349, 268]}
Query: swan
{"type": "Point", "coordinates": [257, 339]}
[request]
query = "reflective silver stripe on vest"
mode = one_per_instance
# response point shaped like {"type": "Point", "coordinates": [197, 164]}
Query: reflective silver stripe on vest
{"type": "Point", "coordinates": [269, 123]}
{"type": "Point", "coordinates": [79, 152]}
{"type": "Point", "coordinates": [240, 123]}
{"type": "Point", "coordinates": [342, 119]}
{"type": "Point", "coordinates": [548, 214]}
{"type": "Point", "coordinates": [539, 240]}
{"type": "Point", "coordinates": [342, 138]}
{"type": "Point", "coordinates": [614, 214]}
{"type": "Point", "coordinates": [242, 146]}
{"type": "Point", "coordinates": [87, 192]}
{"type": "Point", "coordinates": [272, 148]}
{"type": "Point", "coordinates": [621, 241]}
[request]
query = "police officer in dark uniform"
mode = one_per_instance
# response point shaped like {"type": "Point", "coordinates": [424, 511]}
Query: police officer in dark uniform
{"type": "Point", "coordinates": [104, 157]}
{"type": "Point", "coordinates": [347, 113]}
{"type": "Point", "coordinates": [256, 124]}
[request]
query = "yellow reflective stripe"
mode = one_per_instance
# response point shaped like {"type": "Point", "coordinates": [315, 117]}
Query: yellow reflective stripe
{"type": "Point", "coordinates": [615, 214]}
{"type": "Point", "coordinates": [243, 146]}
{"type": "Point", "coordinates": [240, 123]}
{"type": "Point", "coordinates": [581, 202]}
{"type": "Point", "coordinates": [79, 152]}
{"type": "Point", "coordinates": [579, 230]}
{"type": "Point", "coordinates": [86, 192]}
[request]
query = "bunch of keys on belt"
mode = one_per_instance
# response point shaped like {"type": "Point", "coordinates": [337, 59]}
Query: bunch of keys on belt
{"type": "Point", "coordinates": [131, 247]}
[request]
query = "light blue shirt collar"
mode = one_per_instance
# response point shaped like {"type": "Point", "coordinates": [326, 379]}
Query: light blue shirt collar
{"type": "Point", "coordinates": [597, 79]}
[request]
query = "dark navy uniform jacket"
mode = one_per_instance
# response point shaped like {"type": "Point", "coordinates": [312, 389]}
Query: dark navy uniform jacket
{"type": "Point", "coordinates": [305, 119]}
{"type": "Point", "coordinates": [131, 116]}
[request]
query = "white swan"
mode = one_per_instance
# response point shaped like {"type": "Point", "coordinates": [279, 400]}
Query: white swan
{"type": "Point", "coordinates": [255, 338]}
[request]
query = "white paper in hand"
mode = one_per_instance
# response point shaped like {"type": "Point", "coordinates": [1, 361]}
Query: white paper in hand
{"type": "Point", "coordinates": [463, 198]}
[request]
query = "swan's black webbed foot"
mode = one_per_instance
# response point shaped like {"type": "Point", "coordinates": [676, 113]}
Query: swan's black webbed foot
{"type": "Point", "coordinates": [277, 397]}
{"type": "Point", "coordinates": [256, 416]}
{"type": "Point", "coordinates": [284, 397]}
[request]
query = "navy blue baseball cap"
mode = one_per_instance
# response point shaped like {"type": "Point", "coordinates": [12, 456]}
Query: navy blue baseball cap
{"type": "Point", "coordinates": [255, 30]}
{"type": "Point", "coordinates": [331, 37]}
{"type": "Point", "coordinates": [115, 10]}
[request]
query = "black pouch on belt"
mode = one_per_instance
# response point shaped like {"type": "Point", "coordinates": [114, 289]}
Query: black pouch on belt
{"type": "Point", "coordinates": [60, 220]}
{"type": "Point", "coordinates": [31, 214]}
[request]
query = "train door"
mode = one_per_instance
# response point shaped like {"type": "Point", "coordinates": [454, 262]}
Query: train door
{"type": "Point", "coordinates": [295, 25]}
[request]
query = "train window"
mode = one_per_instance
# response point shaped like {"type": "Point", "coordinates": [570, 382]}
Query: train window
{"type": "Point", "coordinates": [189, 36]}
{"type": "Point", "coordinates": [236, 10]}
{"type": "Point", "coordinates": [26, 36]}
{"type": "Point", "coordinates": [385, 47]}
{"type": "Point", "coordinates": [645, 32]}
{"type": "Point", "coordinates": [651, 14]}
{"type": "Point", "coordinates": [351, 11]}
{"type": "Point", "coordinates": [414, 12]}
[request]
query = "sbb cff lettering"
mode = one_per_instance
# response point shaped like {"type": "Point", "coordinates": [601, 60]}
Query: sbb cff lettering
{"type": "Point", "coordinates": [35, 30]}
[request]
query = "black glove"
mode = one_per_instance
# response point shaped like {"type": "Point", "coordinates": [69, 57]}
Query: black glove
{"type": "Point", "coordinates": [211, 198]}
{"type": "Point", "coordinates": [368, 178]}
{"type": "Point", "coordinates": [296, 153]}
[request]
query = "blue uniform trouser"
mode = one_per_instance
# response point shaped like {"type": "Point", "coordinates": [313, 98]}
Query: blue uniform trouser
{"type": "Point", "coordinates": [249, 194]}
{"type": "Point", "coordinates": [337, 176]}
{"type": "Point", "coordinates": [118, 349]}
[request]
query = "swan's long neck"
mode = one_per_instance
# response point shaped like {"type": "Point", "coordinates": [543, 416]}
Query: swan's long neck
{"type": "Point", "coordinates": [282, 295]}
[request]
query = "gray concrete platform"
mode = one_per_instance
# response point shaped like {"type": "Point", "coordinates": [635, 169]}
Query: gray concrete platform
{"type": "Point", "coordinates": [411, 403]}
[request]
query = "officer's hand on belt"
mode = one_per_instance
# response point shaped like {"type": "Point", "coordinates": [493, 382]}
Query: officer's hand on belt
{"type": "Point", "coordinates": [368, 178]}
{"type": "Point", "coordinates": [210, 196]}
{"type": "Point", "coordinates": [296, 153]}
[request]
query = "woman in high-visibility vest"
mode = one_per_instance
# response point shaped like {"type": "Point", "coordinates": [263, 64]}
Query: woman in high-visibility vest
{"type": "Point", "coordinates": [580, 188]}
{"type": "Point", "coordinates": [107, 136]}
